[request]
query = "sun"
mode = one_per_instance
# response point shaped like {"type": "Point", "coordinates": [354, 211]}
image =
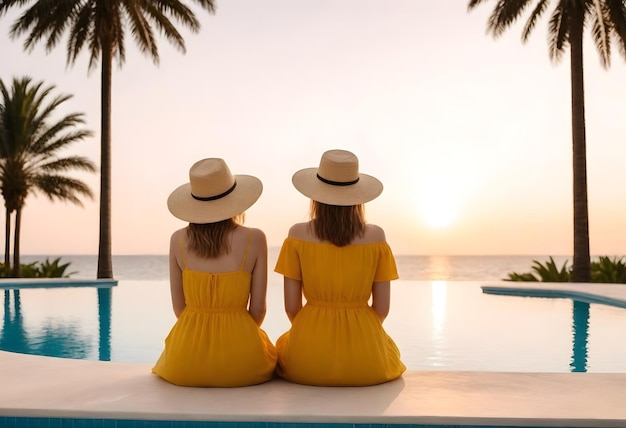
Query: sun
{"type": "Point", "coordinates": [439, 204]}
{"type": "Point", "coordinates": [439, 214]}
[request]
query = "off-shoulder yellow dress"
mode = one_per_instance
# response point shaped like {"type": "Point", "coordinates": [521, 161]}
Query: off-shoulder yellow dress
{"type": "Point", "coordinates": [337, 339]}
{"type": "Point", "coordinates": [215, 341]}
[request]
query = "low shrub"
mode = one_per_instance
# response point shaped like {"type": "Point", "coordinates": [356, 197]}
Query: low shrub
{"type": "Point", "coordinates": [608, 270]}
{"type": "Point", "coordinates": [45, 269]}
{"type": "Point", "coordinates": [603, 270]}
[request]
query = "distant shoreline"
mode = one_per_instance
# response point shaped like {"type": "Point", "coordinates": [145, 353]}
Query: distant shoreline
{"type": "Point", "coordinates": [155, 267]}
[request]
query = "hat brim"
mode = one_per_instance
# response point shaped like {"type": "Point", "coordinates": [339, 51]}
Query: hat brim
{"type": "Point", "coordinates": [184, 206]}
{"type": "Point", "coordinates": [365, 190]}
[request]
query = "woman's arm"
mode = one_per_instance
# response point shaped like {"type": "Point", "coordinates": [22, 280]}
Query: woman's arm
{"type": "Point", "coordinates": [258, 286]}
{"type": "Point", "coordinates": [176, 274]}
{"type": "Point", "coordinates": [293, 297]}
{"type": "Point", "coordinates": [381, 298]}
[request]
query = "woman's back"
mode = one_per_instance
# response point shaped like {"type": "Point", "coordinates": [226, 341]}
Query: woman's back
{"type": "Point", "coordinates": [215, 341]}
{"type": "Point", "coordinates": [332, 273]}
{"type": "Point", "coordinates": [246, 245]}
{"type": "Point", "coordinates": [337, 338]}
{"type": "Point", "coordinates": [219, 288]}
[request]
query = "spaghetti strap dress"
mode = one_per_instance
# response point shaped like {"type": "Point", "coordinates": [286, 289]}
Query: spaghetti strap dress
{"type": "Point", "coordinates": [215, 342]}
{"type": "Point", "coordinates": [337, 339]}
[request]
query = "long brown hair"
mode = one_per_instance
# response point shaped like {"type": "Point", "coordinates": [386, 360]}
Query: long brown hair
{"type": "Point", "coordinates": [337, 224]}
{"type": "Point", "coordinates": [211, 239]}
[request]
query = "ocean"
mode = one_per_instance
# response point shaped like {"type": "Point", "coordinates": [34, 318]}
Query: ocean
{"type": "Point", "coordinates": [410, 267]}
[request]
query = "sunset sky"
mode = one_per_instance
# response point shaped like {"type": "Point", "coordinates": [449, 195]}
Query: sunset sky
{"type": "Point", "coordinates": [471, 136]}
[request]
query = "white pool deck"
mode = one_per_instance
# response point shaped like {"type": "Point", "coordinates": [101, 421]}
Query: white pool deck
{"type": "Point", "coordinates": [33, 386]}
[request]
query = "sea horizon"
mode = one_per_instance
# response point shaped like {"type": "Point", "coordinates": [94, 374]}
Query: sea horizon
{"type": "Point", "coordinates": [410, 267]}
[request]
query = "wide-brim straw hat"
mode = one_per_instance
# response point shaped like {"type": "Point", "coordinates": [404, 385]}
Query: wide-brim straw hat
{"type": "Point", "coordinates": [337, 181]}
{"type": "Point", "coordinates": [213, 193]}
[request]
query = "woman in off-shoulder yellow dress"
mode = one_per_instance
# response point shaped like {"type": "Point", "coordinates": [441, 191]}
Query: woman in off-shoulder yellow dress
{"type": "Point", "coordinates": [218, 281]}
{"type": "Point", "coordinates": [339, 264]}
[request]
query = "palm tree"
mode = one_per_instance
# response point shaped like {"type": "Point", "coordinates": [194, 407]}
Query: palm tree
{"type": "Point", "coordinates": [607, 20]}
{"type": "Point", "coordinates": [30, 139]}
{"type": "Point", "coordinates": [100, 26]}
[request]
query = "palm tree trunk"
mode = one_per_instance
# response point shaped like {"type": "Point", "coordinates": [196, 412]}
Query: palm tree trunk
{"type": "Point", "coordinates": [582, 259]}
{"type": "Point", "coordinates": [7, 242]}
{"type": "Point", "coordinates": [17, 266]}
{"type": "Point", "coordinates": [105, 265]}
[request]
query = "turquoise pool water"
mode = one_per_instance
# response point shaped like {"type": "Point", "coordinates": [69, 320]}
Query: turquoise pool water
{"type": "Point", "coordinates": [438, 325]}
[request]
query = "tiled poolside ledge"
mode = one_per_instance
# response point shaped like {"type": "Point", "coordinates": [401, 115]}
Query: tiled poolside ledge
{"type": "Point", "coordinates": [43, 387]}
{"type": "Point", "coordinates": [19, 283]}
{"type": "Point", "coordinates": [605, 294]}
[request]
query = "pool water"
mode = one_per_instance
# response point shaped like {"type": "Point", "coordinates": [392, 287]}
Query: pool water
{"type": "Point", "coordinates": [438, 325]}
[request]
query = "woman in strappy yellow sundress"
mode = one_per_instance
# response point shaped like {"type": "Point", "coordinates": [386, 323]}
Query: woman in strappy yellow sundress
{"type": "Point", "coordinates": [218, 281]}
{"type": "Point", "coordinates": [343, 268]}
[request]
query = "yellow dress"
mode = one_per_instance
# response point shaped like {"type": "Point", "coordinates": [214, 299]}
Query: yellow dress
{"type": "Point", "coordinates": [215, 341]}
{"type": "Point", "coordinates": [337, 339]}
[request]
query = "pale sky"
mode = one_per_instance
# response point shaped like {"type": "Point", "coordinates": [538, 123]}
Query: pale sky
{"type": "Point", "coordinates": [461, 129]}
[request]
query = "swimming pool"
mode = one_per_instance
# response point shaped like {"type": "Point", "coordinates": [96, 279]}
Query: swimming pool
{"type": "Point", "coordinates": [437, 325]}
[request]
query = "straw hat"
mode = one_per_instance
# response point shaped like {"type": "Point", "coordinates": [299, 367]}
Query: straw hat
{"type": "Point", "coordinates": [213, 194]}
{"type": "Point", "coordinates": [337, 181]}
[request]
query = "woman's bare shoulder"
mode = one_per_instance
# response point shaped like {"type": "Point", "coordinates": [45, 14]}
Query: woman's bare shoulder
{"type": "Point", "coordinates": [300, 231]}
{"type": "Point", "coordinates": [249, 239]}
{"type": "Point", "coordinates": [176, 236]}
{"type": "Point", "coordinates": [373, 234]}
{"type": "Point", "coordinates": [256, 236]}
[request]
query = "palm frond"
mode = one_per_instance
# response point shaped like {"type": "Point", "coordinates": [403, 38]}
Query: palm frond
{"type": "Point", "coordinates": [41, 21]}
{"type": "Point", "coordinates": [208, 5]}
{"type": "Point", "coordinates": [616, 10]}
{"type": "Point", "coordinates": [69, 163]}
{"type": "Point", "coordinates": [58, 143]}
{"type": "Point", "coordinates": [98, 25]}
{"type": "Point", "coordinates": [56, 187]}
{"type": "Point", "coordinates": [558, 33]}
{"type": "Point", "coordinates": [601, 30]}
{"type": "Point", "coordinates": [116, 33]}
{"type": "Point", "coordinates": [606, 20]}
{"type": "Point", "coordinates": [473, 3]}
{"type": "Point", "coordinates": [532, 20]}
{"type": "Point", "coordinates": [504, 14]}
{"type": "Point", "coordinates": [180, 12]}
{"type": "Point", "coordinates": [55, 136]}
{"type": "Point", "coordinates": [79, 33]}
{"type": "Point", "coordinates": [42, 113]}
{"type": "Point", "coordinates": [141, 30]}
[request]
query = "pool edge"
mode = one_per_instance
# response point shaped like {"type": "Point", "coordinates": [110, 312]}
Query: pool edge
{"type": "Point", "coordinates": [50, 387]}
